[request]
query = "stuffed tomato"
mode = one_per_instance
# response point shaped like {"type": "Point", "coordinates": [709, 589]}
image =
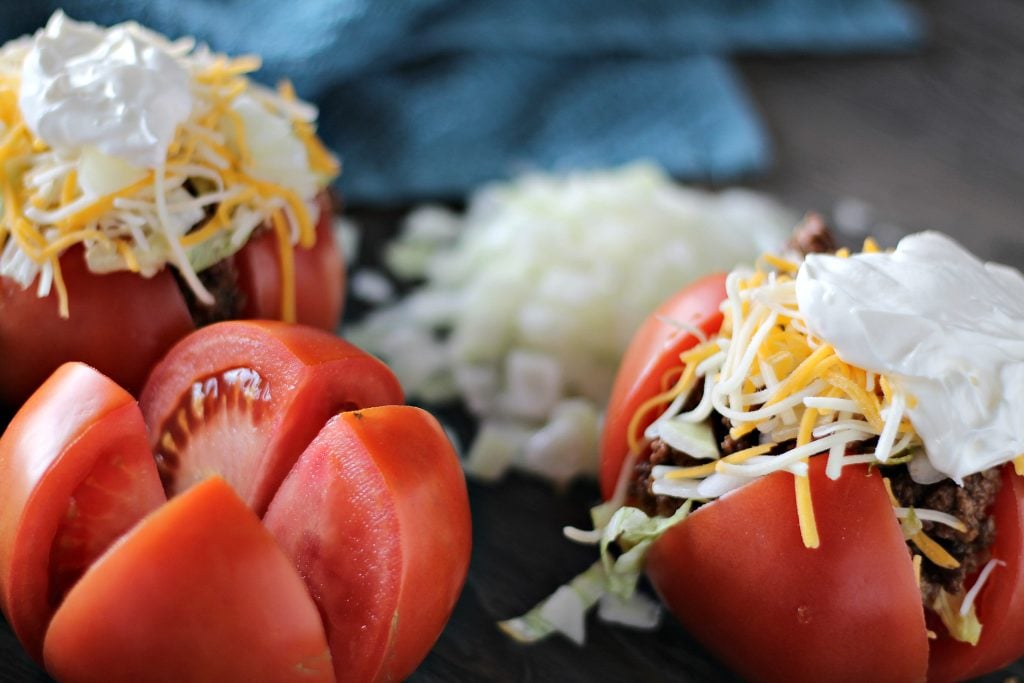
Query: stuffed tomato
{"type": "Point", "coordinates": [150, 188]}
{"type": "Point", "coordinates": [846, 429]}
{"type": "Point", "coordinates": [314, 528]}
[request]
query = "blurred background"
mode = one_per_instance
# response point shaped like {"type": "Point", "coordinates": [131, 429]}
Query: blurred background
{"type": "Point", "coordinates": [888, 117]}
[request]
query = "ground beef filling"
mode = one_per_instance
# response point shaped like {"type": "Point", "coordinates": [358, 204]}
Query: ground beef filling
{"type": "Point", "coordinates": [221, 280]}
{"type": "Point", "coordinates": [969, 504]}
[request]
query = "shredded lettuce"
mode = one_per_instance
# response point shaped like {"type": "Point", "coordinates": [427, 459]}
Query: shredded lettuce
{"type": "Point", "coordinates": [963, 627]}
{"type": "Point", "coordinates": [610, 582]}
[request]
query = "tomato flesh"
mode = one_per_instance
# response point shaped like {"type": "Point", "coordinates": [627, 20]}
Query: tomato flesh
{"type": "Point", "coordinates": [304, 376]}
{"type": "Point", "coordinates": [737, 575]}
{"type": "Point", "coordinates": [182, 598]}
{"type": "Point", "coordinates": [119, 323]}
{"type": "Point", "coordinates": [383, 547]}
{"type": "Point", "coordinates": [75, 474]}
{"type": "Point", "coordinates": [653, 351]}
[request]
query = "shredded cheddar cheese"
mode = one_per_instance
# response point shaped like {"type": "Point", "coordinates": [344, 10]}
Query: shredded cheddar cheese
{"type": "Point", "coordinates": [221, 180]}
{"type": "Point", "coordinates": [770, 377]}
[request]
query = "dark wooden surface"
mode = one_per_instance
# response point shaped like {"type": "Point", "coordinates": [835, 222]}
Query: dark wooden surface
{"type": "Point", "coordinates": [933, 139]}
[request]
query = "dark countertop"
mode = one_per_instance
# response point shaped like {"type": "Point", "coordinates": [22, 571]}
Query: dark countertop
{"type": "Point", "coordinates": [933, 140]}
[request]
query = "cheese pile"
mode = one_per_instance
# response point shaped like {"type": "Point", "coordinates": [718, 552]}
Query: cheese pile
{"type": "Point", "coordinates": [244, 156]}
{"type": "Point", "coordinates": [766, 373]}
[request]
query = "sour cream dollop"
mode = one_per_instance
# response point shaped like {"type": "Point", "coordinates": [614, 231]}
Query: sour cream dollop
{"type": "Point", "coordinates": [119, 90]}
{"type": "Point", "coordinates": [944, 327]}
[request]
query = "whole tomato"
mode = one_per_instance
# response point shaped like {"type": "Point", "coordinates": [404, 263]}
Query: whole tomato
{"type": "Point", "coordinates": [737, 575]}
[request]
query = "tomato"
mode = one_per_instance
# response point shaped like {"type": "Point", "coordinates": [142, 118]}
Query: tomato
{"type": "Point", "coordinates": [75, 473]}
{"type": "Point", "coordinates": [199, 591]}
{"type": "Point", "coordinates": [653, 351]}
{"type": "Point", "coordinates": [1001, 602]}
{"type": "Point", "coordinates": [281, 381]}
{"type": "Point", "coordinates": [120, 323]}
{"type": "Point", "coordinates": [737, 575]}
{"type": "Point", "coordinates": [385, 551]}
{"type": "Point", "coordinates": [319, 276]}
{"type": "Point", "coordinates": [371, 520]}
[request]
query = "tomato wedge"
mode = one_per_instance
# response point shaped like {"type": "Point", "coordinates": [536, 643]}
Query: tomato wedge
{"type": "Point", "coordinates": [281, 381]}
{"type": "Point", "coordinates": [653, 351]}
{"type": "Point", "coordinates": [738, 577]}
{"type": "Point", "coordinates": [120, 323]}
{"type": "Point", "coordinates": [75, 474]}
{"type": "Point", "coordinates": [375, 516]}
{"type": "Point", "coordinates": [199, 591]}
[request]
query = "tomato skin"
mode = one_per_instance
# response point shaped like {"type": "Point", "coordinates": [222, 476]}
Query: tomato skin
{"type": "Point", "coordinates": [738, 577]}
{"type": "Point", "coordinates": [120, 323]}
{"type": "Point", "coordinates": [1001, 601]}
{"type": "Point", "coordinates": [392, 536]}
{"type": "Point", "coordinates": [78, 421]}
{"type": "Point", "coordinates": [653, 351]}
{"type": "Point", "coordinates": [319, 276]}
{"type": "Point", "coordinates": [181, 598]}
{"type": "Point", "coordinates": [319, 374]}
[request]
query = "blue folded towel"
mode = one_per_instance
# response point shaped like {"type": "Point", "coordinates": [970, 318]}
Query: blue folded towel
{"type": "Point", "coordinates": [429, 98]}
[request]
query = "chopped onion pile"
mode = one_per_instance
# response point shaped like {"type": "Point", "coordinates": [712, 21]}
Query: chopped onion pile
{"type": "Point", "coordinates": [530, 298]}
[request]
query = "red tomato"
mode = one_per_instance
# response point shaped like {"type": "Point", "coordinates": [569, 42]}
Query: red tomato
{"type": "Point", "coordinates": [653, 351]}
{"type": "Point", "coordinates": [376, 518]}
{"type": "Point", "coordinates": [738, 576]}
{"type": "Point", "coordinates": [75, 473]}
{"type": "Point", "coordinates": [319, 276]}
{"type": "Point", "coordinates": [1001, 602]}
{"type": "Point", "coordinates": [199, 591]}
{"type": "Point", "coordinates": [120, 323]}
{"type": "Point", "coordinates": [281, 381]}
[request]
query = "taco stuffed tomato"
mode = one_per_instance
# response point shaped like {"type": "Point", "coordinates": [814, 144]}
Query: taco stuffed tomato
{"type": "Point", "coordinates": [825, 448]}
{"type": "Point", "coordinates": [150, 187]}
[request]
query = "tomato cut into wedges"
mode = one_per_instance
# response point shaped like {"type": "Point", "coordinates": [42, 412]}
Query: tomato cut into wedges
{"type": "Point", "coordinates": [738, 576]}
{"type": "Point", "coordinates": [654, 351]}
{"type": "Point", "coordinates": [199, 591]}
{"type": "Point", "coordinates": [75, 474]}
{"type": "Point", "coordinates": [242, 399]}
{"type": "Point", "coordinates": [375, 516]}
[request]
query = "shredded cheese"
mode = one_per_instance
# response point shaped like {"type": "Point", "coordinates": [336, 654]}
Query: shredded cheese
{"type": "Point", "coordinates": [769, 377]}
{"type": "Point", "coordinates": [160, 217]}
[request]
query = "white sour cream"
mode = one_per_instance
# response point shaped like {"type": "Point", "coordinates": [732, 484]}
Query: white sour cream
{"type": "Point", "coordinates": [118, 90]}
{"type": "Point", "coordinates": [944, 327]}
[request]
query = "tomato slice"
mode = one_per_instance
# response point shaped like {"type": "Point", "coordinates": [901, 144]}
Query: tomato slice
{"type": "Point", "coordinates": [737, 575]}
{"type": "Point", "coordinates": [375, 516]}
{"type": "Point", "coordinates": [319, 276]}
{"type": "Point", "coordinates": [1001, 601]}
{"type": "Point", "coordinates": [199, 591]}
{"type": "Point", "coordinates": [75, 474]}
{"type": "Point", "coordinates": [654, 350]}
{"type": "Point", "coordinates": [243, 399]}
{"type": "Point", "coordinates": [120, 324]}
